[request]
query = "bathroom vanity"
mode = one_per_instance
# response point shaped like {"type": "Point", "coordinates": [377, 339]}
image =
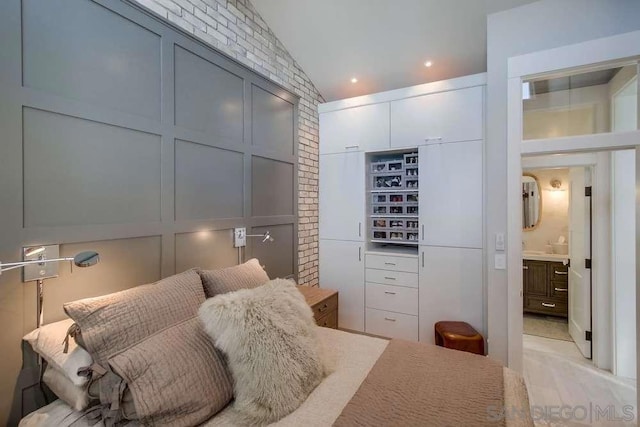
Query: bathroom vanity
{"type": "Point", "coordinates": [546, 284]}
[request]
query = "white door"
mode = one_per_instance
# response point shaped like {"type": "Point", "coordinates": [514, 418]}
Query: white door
{"type": "Point", "coordinates": [579, 251]}
{"type": "Point", "coordinates": [450, 203]}
{"type": "Point", "coordinates": [342, 268]}
{"type": "Point", "coordinates": [450, 288]}
{"type": "Point", "coordinates": [450, 116]}
{"type": "Point", "coordinates": [342, 196]}
{"type": "Point", "coordinates": [363, 128]}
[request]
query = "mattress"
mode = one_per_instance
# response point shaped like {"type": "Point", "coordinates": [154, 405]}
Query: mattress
{"type": "Point", "coordinates": [353, 358]}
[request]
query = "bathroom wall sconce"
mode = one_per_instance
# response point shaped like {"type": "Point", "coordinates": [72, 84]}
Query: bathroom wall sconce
{"type": "Point", "coordinates": [556, 185]}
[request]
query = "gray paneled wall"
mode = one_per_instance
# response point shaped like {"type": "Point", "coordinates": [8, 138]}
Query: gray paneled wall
{"type": "Point", "coordinates": [126, 136]}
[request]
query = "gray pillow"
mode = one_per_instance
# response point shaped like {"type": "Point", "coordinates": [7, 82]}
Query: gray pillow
{"type": "Point", "coordinates": [176, 377]}
{"type": "Point", "coordinates": [244, 276]}
{"type": "Point", "coordinates": [269, 336]}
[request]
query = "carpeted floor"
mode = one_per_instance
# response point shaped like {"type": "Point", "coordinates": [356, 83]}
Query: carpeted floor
{"type": "Point", "coordinates": [546, 326]}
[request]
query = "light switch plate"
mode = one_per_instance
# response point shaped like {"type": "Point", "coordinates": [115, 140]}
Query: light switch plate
{"type": "Point", "coordinates": [39, 271]}
{"type": "Point", "coordinates": [500, 261]}
{"type": "Point", "coordinates": [499, 241]}
{"type": "Point", "coordinates": [239, 237]}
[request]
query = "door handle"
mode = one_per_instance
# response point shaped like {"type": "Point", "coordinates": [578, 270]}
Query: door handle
{"type": "Point", "coordinates": [422, 259]}
{"type": "Point", "coordinates": [561, 273]}
{"type": "Point", "coordinates": [360, 253]}
{"type": "Point", "coordinates": [359, 229]}
{"type": "Point", "coordinates": [545, 304]}
{"type": "Point", "coordinates": [560, 289]}
{"type": "Point", "coordinates": [423, 232]}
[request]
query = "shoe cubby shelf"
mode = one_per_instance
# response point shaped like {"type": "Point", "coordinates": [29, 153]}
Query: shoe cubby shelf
{"type": "Point", "coordinates": [394, 198]}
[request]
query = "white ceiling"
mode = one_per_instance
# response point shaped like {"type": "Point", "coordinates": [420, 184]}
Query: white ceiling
{"type": "Point", "coordinates": [384, 43]}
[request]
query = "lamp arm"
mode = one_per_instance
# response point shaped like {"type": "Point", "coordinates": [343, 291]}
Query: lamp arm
{"type": "Point", "coordinates": [12, 265]}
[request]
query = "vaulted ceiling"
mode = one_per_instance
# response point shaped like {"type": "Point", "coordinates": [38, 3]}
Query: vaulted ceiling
{"type": "Point", "coordinates": [384, 44]}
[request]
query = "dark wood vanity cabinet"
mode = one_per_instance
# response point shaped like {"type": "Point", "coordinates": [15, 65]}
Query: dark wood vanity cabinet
{"type": "Point", "coordinates": [546, 287]}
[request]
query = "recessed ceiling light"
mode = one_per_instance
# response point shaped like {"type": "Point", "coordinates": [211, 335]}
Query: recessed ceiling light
{"type": "Point", "coordinates": [428, 64]}
{"type": "Point", "coordinates": [354, 80]}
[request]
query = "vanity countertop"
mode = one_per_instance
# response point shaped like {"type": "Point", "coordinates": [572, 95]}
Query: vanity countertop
{"type": "Point", "coordinates": [540, 256]}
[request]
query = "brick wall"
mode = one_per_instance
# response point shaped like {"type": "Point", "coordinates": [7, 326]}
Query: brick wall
{"type": "Point", "coordinates": [235, 28]}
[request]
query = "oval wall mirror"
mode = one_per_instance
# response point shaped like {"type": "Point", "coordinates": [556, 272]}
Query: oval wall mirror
{"type": "Point", "coordinates": [531, 202]}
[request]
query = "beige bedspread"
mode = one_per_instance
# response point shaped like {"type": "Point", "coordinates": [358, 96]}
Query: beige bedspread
{"type": "Point", "coordinates": [355, 357]}
{"type": "Point", "coordinates": [413, 384]}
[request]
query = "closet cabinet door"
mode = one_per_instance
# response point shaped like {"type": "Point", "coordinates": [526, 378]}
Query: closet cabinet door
{"type": "Point", "coordinates": [342, 197]}
{"type": "Point", "coordinates": [451, 194]}
{"type": "Point", "coordinates": [363, 128]}
{"type": "Point", "coordinates": [450, 116]}
{"type": "Point", "coordinates": [450, 288]}
{"type": "Point", "coordinates": [342, 268]}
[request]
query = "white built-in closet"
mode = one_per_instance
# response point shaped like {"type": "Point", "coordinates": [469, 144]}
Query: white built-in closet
{"type": "Point", "coordinates": [401, 290]}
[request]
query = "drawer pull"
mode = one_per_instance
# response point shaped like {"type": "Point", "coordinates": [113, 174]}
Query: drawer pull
{"type": "Point", "coordinates": [390, 278]}
{"type": "Point", "coordinates": [560, 289]}
{"type": "Point", "coordinates": [323, 308]}
{"type": "Point", "coordinates": [389, 293]}
{"type": "Point", "coordinates": [560, 273]}
{"type": "Point", "coordinates": [351, 146]}
{"type": "Point", "coordinates": [524, 267]}
{"type": "Point", "coordinates": [544, 304]}
{"type": "Point", "coordinates": [389, 263]}
{"type": "Point", "coordinates": [390, 319]}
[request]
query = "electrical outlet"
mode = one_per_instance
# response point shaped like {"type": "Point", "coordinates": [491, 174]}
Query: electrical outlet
{"type": "Point", "coordinates": [239, 237]}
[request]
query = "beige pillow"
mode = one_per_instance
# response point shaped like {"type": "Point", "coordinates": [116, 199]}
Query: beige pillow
{"type": "Point", "coordinates": [269, 336]}
{"type": "Point", "coordinates": [73, 395]}
{"type": "Point", "coordinates": [114, 322]}
{"type": "Point", "coordinates": [244, 276]}
{"type": "Point", "coordinates": [176, 377]}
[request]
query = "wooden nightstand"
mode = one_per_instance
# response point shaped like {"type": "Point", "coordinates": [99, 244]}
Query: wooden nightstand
{"type": "Point", "coordinates": [324, 303]}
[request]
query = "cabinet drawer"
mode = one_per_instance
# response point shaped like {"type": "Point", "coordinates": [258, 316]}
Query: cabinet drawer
{"type": "Point", "coordinates": [559, 290]}
{"type": "Point", "coordinates": [329, 320]}
{"type": "Point", "coordinates": [558, 271]}
{"type": "Point", "coordinates": [388, 277]}
{"type": "Point", "coordinates": [393, 263]}
{"type": "Point", "coordinates": [392, 298]}
{"type": "Point", "coordinates": [325, 307]}
{"type": "Point", "coordinates": [545, 305]}
{"type": "Point", "coordinates": [391, 325]}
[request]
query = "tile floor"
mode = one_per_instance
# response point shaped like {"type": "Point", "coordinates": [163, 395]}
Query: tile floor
{"type": "Point", "coordinates": [557, 375]}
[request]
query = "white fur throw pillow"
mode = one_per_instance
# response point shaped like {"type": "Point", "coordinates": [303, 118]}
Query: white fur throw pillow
{"type": "Point", "coordinates": [269, 336]}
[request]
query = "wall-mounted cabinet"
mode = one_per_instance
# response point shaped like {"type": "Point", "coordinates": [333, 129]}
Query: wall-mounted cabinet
{"type": "Point", "coordinates": [363, 128]}
{"type": "Point", "coordinates": [342, 196]}
{"type": "Point", "coordinates": [451, 194]}
{"type": "Point", "coordinates": [450, 288]}
{"type": "Point", "coordinates": [342, 268]}
{"type": "Point", "coordinates": [451, 116]}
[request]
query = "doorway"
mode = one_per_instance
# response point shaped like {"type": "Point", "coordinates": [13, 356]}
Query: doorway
{"type": "Point", "coordinates": [583, 127]}
{"type": "Point", "coordinates": [557, 224]}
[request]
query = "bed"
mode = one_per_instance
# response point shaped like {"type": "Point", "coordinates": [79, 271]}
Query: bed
{"type": "Point", "coordinates": [343, 395]}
